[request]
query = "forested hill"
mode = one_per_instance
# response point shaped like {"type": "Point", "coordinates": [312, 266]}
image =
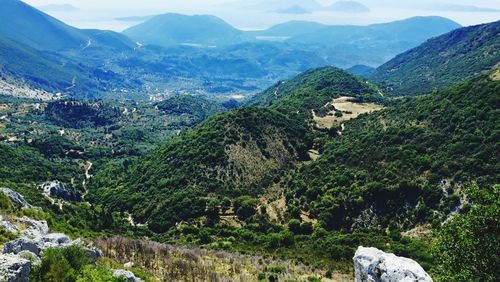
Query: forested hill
{"type": "Point", "coordinates": [314, 88]}
{"type": "Point", "coordinates": [241, 152]}
{"type": "Point", "coordinates": [441, 61]}
{"type": "Point", "coordinates": [236, 153]}
{"type": "Point", "coordinates": [408, 164]}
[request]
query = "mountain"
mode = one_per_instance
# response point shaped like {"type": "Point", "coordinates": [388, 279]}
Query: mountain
{"type": "Point", "coordinates": [237, 153]}
{"type": "Point", "coordinates": [442, 61]}
{"type": "Point", "coordinates": [176, 29]}
{"type": "Point", "coordinates": [408, 164]}
{"type": "Point", "coordinates": [361, 70]}
{"type": "Point", "coordinates": [405, 32]}
{"type": "Point", "coordinates": [27, 25]}
{"type": "Point", "coordinates": [290, 29]}
{"type": "Point", "coordinates": [348, 7]}
{"type": "Point", "coordinates": [314, 88]}
{"type": "Point", "coordinates": [345, 46]}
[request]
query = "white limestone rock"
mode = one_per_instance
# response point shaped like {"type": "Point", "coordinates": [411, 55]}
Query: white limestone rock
{"type": "Point", "coordinates": [34, 228]}
{"type": "Point", "coordinates": [127, 275]}
{"type": "Point", "coordinates": [13, 268]}
{"type": "Point", "coordinates": [58, 190]}
{"type": "Point", "coordinates": [16, 198]}
{"type": "Point", "coordinates": [373, 265]}
{"type": "Point", "coordinates": [22, 244]}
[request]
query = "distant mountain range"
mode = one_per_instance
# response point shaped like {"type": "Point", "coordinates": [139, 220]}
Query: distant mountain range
{"type": "Point", "coordinates": [171, 53]}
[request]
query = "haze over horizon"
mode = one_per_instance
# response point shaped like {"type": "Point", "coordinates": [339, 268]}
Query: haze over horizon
{"type": "Point", "coordinates": [262, 14]}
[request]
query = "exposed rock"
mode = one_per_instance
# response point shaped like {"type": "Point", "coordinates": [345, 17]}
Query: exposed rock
{"type": "Point", "coordinates": [16, 198]}
{"type": "Point", "coordinates": [55, 240]}
{"type": "Point", "coordinates": [128, 264]}
{"type": "Point", "coordinates": [373, 265]}
{"type": "Point", "coordinates": [32, 257]}
{"type": "Point", "coordinates": [57, 189]}
{"type": "Point", "coordinates": [6, 225]}
{"type": "Point", "coordinates": [127, 275]}
{"type": "Point", "coordinates": [14, 268]}
{"type": "Point", "coordinates": [34, 228]}
{"type": "Point", "coordinates": [95, 253]}
{"type": "Point", "coordinates": [22, 244]}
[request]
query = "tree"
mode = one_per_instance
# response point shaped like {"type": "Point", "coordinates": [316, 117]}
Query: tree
{"type": "Point", "coordinates": [468, 247]}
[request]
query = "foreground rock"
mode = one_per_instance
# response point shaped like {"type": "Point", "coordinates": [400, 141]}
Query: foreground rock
{"type": "Point", "coordinates": [16, 198]}
{"type": "Point", "coordinates": [13, 268]}
{"type": "Point", "coordinates": [126, 275]}
{"type": "Point", "coordinates": [373, 265]}
{"type": "Point", "coordinates": [57, 189]}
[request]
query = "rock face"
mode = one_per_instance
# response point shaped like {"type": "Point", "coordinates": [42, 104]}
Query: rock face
{"type": "Point", "coordinates": [56, 189]}
{"type": "Point", "coordinates": [14, 268]}
{"type": "Point", "coordinates": [373, 265]}
{"type": "Point", "coordinates": [127, 275]}
{"type": "Point", "coordinates": [16, 198]}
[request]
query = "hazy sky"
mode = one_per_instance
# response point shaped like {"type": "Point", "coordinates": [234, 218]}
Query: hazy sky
{"type": "Point", "coordinates": [258, 14]}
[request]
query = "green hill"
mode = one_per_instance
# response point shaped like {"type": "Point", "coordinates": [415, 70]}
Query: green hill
{"type": "Point", "coordinates": [236, 153]}
{"type": "Point", "coordinates": [442, 61]}
{"type": "Point", "coordinates": [314, 88]}
{"type": "Point", "coordinates": [405, 165]}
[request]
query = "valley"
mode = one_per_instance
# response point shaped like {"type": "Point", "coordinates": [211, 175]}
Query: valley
{"type": "Point", "coordinates": [171, 153]}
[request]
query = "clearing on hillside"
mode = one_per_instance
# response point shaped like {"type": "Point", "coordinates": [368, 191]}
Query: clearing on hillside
{"type": "Point", "coordinates": [342, 109]}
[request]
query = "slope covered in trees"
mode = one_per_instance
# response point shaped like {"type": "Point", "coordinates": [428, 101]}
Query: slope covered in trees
{"type": "Point", "coordinates": [405, 165]}
{"type": "Point", "coordinates": [441, 61]}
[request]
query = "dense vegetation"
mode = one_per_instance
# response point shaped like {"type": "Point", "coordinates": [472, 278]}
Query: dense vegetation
{"type": "Point", "coordinates": [236, 153]}
{"type": "Point", "coordinates": [401, 165]}
{"type": "Point", "coordinates": [198, 108]}
{"type": "Point", "coordinates": [312, 89]}
{"type": "Point", "coordinates": [442, 61]}
{"type": "Point", "coordinates": [468, 246]}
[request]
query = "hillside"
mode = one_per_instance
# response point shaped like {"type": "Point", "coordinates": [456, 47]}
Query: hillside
{"type": "Point", "coordinates": [29, 26]}
{"type": "Point", "coordinates": [442, 61]}
{"type": "Point", "coordinates": [236, 153]}
{"type": "Point", "coordinates": [176, 29]}
{"type": "Point", "coordinates": [314, 88]}
{"type": "Point", "coordinates": [406, 165]}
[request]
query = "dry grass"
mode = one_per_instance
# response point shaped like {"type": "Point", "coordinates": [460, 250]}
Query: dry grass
{"type": "Point", "coordinates": [495, 76]}
{"type": "Point", "coordinates": [177, 263]}
{"type": "Point", "coordinates": [349, 109]}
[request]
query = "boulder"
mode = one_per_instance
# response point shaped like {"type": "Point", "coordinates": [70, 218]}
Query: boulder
{"type": "Point", "coordinates": [57, 189]}
{"type": "Point", "coordinates": [34, 228]}
{"type": "Point", "coordinates": [55, 240]}
{"type": "Point", "coordinates": [16, 198]}
{"type": "Point", "coordinates": [7, 225]}
{"type": "Point", "coordinates": [373, 265]}
{"type": "Point", "coordinates": [23, 244]}
{"type": "Point", "coordinates": [14, 268]}
{"type": "Point", "coordinates": [95, 253]}
{"type": "Point", "coordinates": [126, 275]}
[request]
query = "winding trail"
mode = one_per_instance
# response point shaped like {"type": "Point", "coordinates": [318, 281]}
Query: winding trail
{"type": "Point", "coordinates": [87, 166]}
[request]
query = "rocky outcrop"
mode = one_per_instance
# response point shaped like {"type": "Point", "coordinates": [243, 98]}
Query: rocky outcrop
{"type": "Point", "coordinates": [34, 228]}
{"type": "Point", "coordinates": [22, 244]}
{"type": "Point", "coordinates": [16, 198]}
{"type": "Point", "coordinates": [13, 268]}
{"type": "Point", "coordinates": [57, 189]}
{"type": "Point", "coordinates": [373, 265]}
{"type": "Point", "coordinates": [126, 275]}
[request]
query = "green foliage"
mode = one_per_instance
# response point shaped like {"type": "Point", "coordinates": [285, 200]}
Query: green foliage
{"type": "Point", "coordinates": [71, 263]}
{"type": "Point", "coordinates": [391, 166]}
{"type": "Point", "coordinates": [468, 247]}
{"type": "Point", "coordinates": [79, 114]}
{"type": "Point", "coordinates": [237, 153]}
{"type": "Point", "coordinates": [197, 108]}
{"type": "Point", "coordinates": [441, 61]}
{"type": "Point", "coordinates": [312, 89]}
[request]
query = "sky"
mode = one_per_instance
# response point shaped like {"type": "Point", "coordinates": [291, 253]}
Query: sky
{"type": "Point", "coordinates": [261, 14]}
